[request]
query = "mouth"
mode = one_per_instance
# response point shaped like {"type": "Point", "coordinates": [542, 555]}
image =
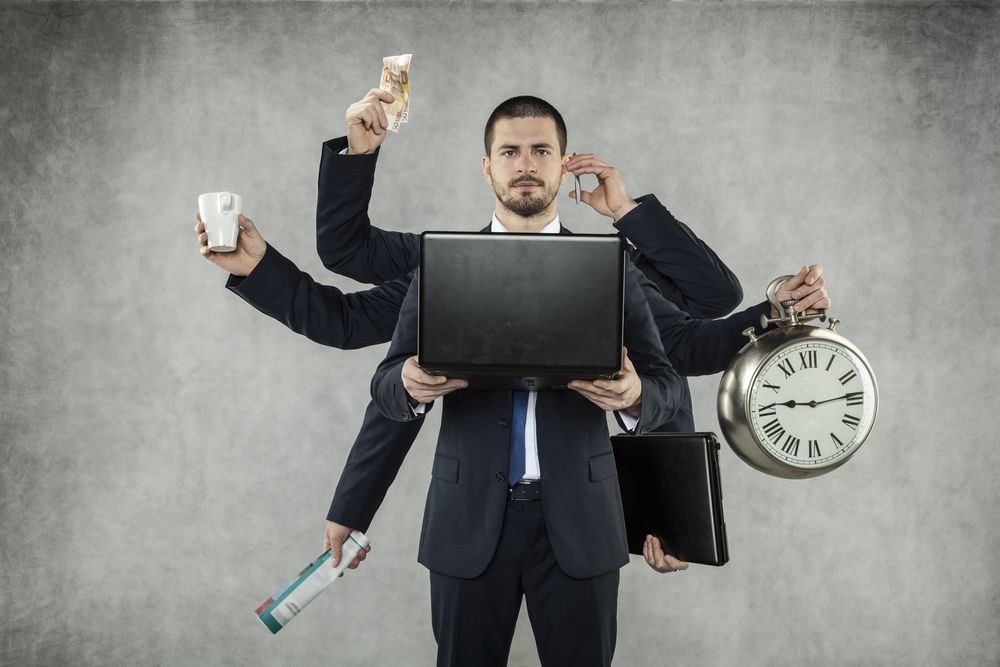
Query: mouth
{"type": "Point", "coordinates": [526, 186]}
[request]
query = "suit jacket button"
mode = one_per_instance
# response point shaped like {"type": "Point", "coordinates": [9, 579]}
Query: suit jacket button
{"type": "Point", "coordinates": [503, 421]}
{"type": "Point", "coordinates": [501, 477]}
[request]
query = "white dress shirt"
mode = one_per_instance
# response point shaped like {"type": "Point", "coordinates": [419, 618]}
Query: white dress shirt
{"type": "Point", "coordinates": [531, 468]}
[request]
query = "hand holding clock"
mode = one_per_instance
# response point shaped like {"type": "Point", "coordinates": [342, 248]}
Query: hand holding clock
{"type": "Point", "coordinates": [807, 288]}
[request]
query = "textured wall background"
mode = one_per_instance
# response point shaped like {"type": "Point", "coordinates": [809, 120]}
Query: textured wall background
{"type": "Point", "coordinates": [168, 453]}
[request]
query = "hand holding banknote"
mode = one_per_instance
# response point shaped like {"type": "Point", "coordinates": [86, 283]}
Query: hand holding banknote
{"type": "Point", "coordinates": [367, 122]}
{"type": "Point", "coordinates": [383, 108]}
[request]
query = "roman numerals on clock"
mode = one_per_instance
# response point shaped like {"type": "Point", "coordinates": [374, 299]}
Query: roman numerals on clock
{"type": "Point", "coordinates": [814, 452]}
{"type": "Point", "coordinates": [774, 430]}
{"type": "Point", "coordinates": [817, 405]}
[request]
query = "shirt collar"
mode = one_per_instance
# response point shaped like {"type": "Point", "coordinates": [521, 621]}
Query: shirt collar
{"type": "Point", "coordinates": [496, 227]}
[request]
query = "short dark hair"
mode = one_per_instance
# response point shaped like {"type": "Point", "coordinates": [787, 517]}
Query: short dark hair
{"type": "Point", "coordinates": [525, 106]}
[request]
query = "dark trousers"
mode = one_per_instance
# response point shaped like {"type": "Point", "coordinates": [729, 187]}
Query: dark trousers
{"type": "Point", "coordinates": [574, 620]}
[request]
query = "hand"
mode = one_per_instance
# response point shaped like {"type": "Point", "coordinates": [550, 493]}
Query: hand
{"type": "Point", "coordinates": [807, 287]}
{"type": "Point", "coordinates": [250, 247]}
{"type": "Point", "coordinates": [366, 122]}
{"type": "Point", "coordinates": [623, 393]}
{"type": "Point", "coordinates": [424, 387]}
{"type": "Point", "coordinates": [659, 561]}
{"type": "Point", "coordinates": [609, 197]}
{"type": "Point", "coordinates": [333, 539]}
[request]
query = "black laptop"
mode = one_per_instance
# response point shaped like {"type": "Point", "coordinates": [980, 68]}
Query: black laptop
{"type": "Point", "coordinates": [670, 488]}
{"type": "Point", "coordinates": [524, 311]}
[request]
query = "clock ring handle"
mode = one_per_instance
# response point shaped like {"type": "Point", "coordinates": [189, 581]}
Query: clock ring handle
{"type": "Point", "coordinates": [786, 309]}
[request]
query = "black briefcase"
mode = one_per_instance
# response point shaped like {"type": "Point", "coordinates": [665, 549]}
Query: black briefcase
{"type": "Point", "coordinates": [670, 488]}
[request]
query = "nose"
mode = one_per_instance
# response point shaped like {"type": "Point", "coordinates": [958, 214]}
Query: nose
{"type": "Point", "coordinates": [526, 164]}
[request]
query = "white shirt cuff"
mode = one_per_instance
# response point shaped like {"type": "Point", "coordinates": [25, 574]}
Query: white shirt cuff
{"type": "Point", "coordinates": [418, 409]}
{"type": "Point", "coordinates": [628, 420]}
{"type": "Point", "coordinates": [343, 152]}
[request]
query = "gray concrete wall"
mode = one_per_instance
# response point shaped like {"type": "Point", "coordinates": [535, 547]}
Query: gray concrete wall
{"type": "Point", "coordinates": [168, 453]}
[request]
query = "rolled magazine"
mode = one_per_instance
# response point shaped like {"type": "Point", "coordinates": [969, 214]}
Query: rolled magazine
{"type": "Point", "coordinates": [282, 606]}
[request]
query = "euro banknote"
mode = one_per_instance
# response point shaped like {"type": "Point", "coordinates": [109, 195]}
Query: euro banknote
{"type": "Point", "coordinates": [396, 80]}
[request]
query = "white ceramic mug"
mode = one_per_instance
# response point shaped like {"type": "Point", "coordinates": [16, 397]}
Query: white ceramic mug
{"type": "Point", "coordinates": [220, 212]}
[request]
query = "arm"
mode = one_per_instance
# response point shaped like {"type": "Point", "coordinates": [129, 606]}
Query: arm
{"type": "Point", "coordinates": [689, 273]}
{"type": "Point", "coordinates": [400, 388]}
{"type": "Point", "coordinates": [371, 468]}
{"type": "Point", "coordinates": [372, 465]}
{"type": "Point", "coordinates": [649, 390]}
{"type": "Point", "coordinates": [321, 313]}
{"type": "Point", "coordinates": [661, 384]}
{"type": "Point", "coordinates": [276, 287]}
{"type": "Point", "coordinates": [388, 392]}
{"type": "Point", "coordinates": [686, 270]}
{"type": "Point", "coordinates": [704, 347]}
{"type": "Point", "coordinates": [345, 239]}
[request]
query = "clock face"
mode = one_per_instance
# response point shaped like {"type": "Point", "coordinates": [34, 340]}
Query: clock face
{"type": "Point", "coordinates": [812, 404]}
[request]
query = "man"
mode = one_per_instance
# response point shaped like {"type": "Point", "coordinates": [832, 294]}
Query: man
{"type": "Point", "coordinates": [346, 320]}
{"type": "Point", "coordinates": [484, 546]}
{"type": "Point", "coordinates": [552, 529]}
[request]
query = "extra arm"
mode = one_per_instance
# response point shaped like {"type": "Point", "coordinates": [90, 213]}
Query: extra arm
{"type": "Point", "coordinates": [347, 242]}
{"type": "Point", "coordinates": [686, 269]}
{"type": "Point", "coordinates": [388, 393]}
{"type": "Point", "coordinates": [371, 468]}
{"type": "Point", "coordinates": [702, 347]}
{"type": "Point", "coordinates": [322, 313]}
{"type": "Point", "coordinates": [662, 389]}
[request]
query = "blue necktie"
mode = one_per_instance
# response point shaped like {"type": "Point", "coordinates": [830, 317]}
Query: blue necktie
{"type": "Point", "coordinates": [520, 416]}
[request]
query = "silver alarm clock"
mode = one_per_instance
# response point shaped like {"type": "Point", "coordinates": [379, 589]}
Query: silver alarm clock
{"type": "Point", "coordinates": [797, 401]}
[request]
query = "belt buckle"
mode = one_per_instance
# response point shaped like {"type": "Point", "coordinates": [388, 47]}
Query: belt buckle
{"type": "Point", "coordinates": [522, 483]}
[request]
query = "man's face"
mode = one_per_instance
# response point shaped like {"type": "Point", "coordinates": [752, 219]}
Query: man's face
{"type": "Point", "coordinates": [524, 165]}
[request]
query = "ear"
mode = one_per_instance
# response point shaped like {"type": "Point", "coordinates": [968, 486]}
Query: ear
{"type": "Point", "coordinates": [487, 176]}
{"type": "Point", "coordinates": [565, 173]}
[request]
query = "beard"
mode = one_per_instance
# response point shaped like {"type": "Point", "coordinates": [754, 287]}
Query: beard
{"type": "Point", "coordinates": [522, 203]}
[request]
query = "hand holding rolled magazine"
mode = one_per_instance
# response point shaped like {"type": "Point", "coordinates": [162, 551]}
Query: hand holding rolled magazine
{"type": "Point", "coordinates": [281, 607]}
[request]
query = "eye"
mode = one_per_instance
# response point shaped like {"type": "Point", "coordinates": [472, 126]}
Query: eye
{"type": "Point", "coordinates": [542, 151]}
{"type": "Point", "coordinates": [507, 153]}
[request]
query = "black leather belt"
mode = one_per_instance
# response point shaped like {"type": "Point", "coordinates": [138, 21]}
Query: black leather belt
{"type": "Point", "coordinates": [530, 489]}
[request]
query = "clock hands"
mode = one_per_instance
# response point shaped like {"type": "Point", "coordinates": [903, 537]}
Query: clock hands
{"type": "Point", "coordinates": [835, 398]}
{"type": "Point", "coordinates": [811, 404]}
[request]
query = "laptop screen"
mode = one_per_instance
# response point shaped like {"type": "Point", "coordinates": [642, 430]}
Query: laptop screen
{"type": "Point", "coordinates": [521, 303]}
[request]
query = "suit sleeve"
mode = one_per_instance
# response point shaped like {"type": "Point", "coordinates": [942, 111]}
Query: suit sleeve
{"type": "Point", "coordinates": [685, 268]}
{"type": "Point", "coordinates": [661, 385]}
{"type": "Point", "coordinates": [346, 241]}
{"type": "Point", "coordinates": [702, 347]}
{"type": "Point", "coordinates": [321, 313]}
{"type": "Point", "coordinates": [371, 468]}
{"type": "Point", "coordinates": [387, 389]}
